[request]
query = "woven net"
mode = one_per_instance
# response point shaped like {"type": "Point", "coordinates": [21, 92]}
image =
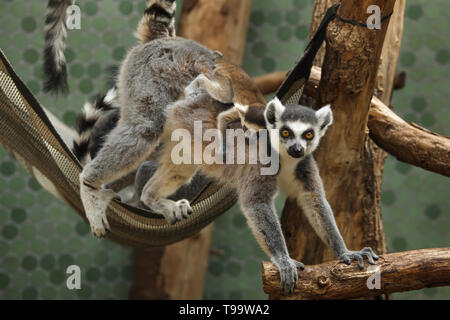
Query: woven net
{"type": "Point", "coordinates": [27, 132]}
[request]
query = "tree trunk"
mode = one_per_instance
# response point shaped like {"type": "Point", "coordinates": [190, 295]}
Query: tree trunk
{"type": "Point", "coordinates": [383, 90]}
{"type": "Point", "coordinates": [220, 25]}
{"type": "Point", "coordinates": [351, 172]}
{"type": "Point", "coordinates": [178, 271]}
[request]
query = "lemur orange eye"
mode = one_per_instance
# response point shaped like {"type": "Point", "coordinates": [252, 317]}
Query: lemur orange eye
{"type": "Point", "coordinates": [285, 133]}
{"type": "Point", "coordinates": [309, 135]}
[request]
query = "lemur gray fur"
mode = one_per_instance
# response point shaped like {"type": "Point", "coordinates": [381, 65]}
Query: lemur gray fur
{"type": "Point", "coordinates": [256, 192]}
{"type": "Point", "coordinates": [152, 77]}
{"type": "Point", "coordinates": [151, 80]}
{"type": "Point", "coordinates": [300, 131]}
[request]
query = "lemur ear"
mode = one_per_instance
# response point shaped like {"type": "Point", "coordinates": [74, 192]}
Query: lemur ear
{"type": "Point", "coordinates": [273, 111]}
{"type": "Point", "coordinates": [325, 118]}
{"type": "Point", "coordinates": [217, 54]}
{"type": "Point", "coordinates": [241, 109]}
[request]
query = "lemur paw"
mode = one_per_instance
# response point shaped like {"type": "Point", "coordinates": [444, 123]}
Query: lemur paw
{"type": "Point", "coordinates": [182, 209]}
{"type": "Point", "coordinates": [359, 256]}
{"type": "Point", "coordinates": [288, 269]}
{"type": "Point", "coordinates": [95, 203]}
{"type": "Point", "coordinates": [174, 211]}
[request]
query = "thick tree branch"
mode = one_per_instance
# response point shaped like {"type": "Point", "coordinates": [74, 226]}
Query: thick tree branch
{"type": "Point", "coordinates": [408, 142]}
{"type": "Point", "coordinates": [270, 82]}
{"type": "Point", "coordinates": [400, 271]}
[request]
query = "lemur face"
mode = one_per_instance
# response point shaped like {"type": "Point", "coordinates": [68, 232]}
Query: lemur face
{"type": "Point", "coordinates": [300, 128]}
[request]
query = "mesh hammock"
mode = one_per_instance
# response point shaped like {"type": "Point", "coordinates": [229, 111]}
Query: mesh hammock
{"type": "Point", "coordinates": [27, 132]}
{"type": "Point", "coordinates": [40, 145]}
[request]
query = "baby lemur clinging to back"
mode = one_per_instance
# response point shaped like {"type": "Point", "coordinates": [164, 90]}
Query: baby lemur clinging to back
{"type": "Point", "coordinates": [230, 84]}
{"type": "Point", "coordinates": [152, 78]}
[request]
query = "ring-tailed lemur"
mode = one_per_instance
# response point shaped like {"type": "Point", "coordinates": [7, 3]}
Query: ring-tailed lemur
{"type": "Point", "coordinates": [152, 77]}
{"type": "Point", "coordinates": [300, 130]}
{"type": "Point", "coordinates": [256, 192]}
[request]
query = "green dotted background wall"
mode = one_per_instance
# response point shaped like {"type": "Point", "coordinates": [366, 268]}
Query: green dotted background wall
{"type": "Point", "coordinates": [40, 236]}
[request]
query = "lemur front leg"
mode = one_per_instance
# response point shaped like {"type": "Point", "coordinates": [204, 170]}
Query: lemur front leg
{"type": "Point", "coordinates": [124, 149]}
{"type": "Point", "coordinates": [315, 206]}
{"type": "Point", "coordinates": [256, 197]}
{"type": "Point", "coordinates": [164, 182]}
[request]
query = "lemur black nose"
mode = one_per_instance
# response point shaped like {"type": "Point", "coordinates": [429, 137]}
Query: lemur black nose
{"type": "Point", "coordinates": [296, 151]}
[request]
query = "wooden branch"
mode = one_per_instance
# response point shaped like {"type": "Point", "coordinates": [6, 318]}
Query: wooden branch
{"type": "Point", "coordinates": [400, 271]}
{"type": "Point", "coordinates": [270, 82]}
{"type": "Point", "coordinates": [408, 142]}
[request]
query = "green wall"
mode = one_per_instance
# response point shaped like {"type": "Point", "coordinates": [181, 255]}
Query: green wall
{"type": "Point", "coordinates": [40, 236]}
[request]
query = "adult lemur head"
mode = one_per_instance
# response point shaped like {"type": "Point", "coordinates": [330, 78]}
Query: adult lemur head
{"type": "Point", "coordinates": [300, 128]}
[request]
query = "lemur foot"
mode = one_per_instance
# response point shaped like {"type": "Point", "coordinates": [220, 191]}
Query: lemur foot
{"type": "Point", "coordinates": [182, 209]}
{"type": "Point", "coordinates": [95, 203]}
{"type": "Point", "coordinates": [173, 211]}
{"type": "Point", "coordinates": [367, 252]}
{"type": "Point", "coordinates": [177, 211]}
{"type": "Point", "coordinates": [288, 269]}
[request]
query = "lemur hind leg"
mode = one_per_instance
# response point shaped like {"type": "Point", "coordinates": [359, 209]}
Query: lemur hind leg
{"type": "Point", "coordinates": [124, 149]}
{"type": "Point", "coordinates": [226, 117]}
{"type": "Point", "coordinates": [256, 197]}
{"type": "Point", "coordinates": [164, 182]}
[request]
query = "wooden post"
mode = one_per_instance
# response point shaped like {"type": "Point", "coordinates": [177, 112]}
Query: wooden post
{"type": "Point", "coordinates": [178, 271]}
{"type": "Point", "coordinates": [383, 90]}
{"type": "Point", "coordinates": [350, 175]}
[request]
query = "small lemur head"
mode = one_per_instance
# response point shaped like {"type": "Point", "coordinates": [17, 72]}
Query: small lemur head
{"type": "Point", "coordinates": [252, 116]}
{"type": "Point", "coordinates": [300, 128]}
